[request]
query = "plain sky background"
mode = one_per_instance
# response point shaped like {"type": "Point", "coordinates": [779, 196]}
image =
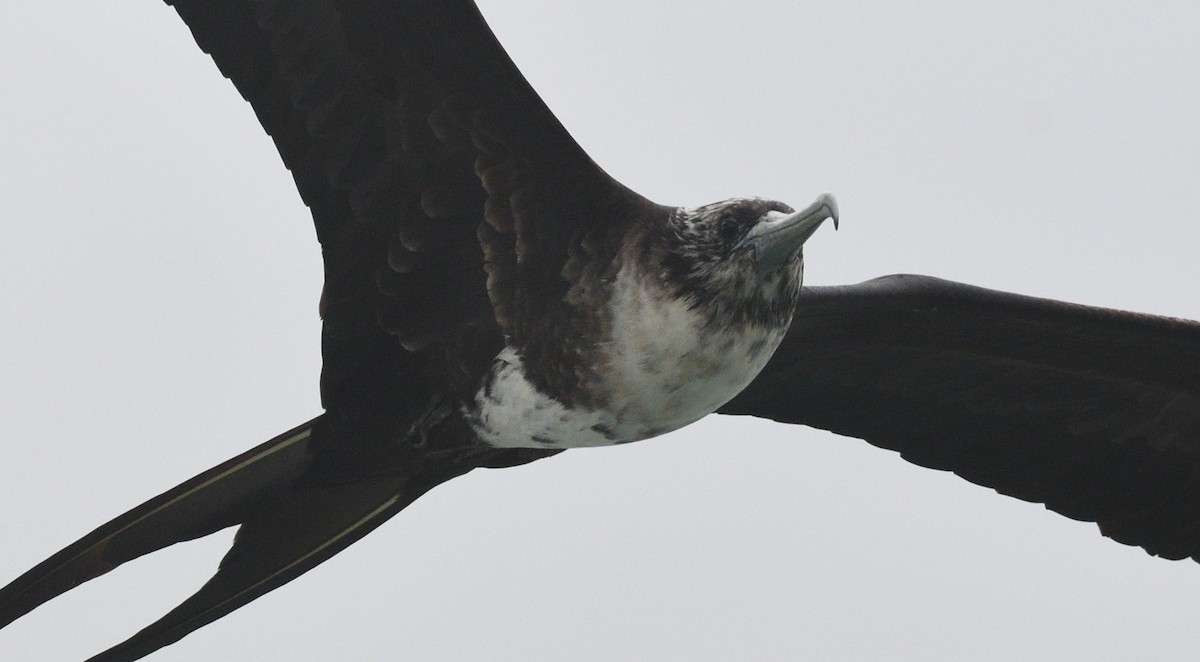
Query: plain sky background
{"type": "Point", "coordinates": [160, 282]}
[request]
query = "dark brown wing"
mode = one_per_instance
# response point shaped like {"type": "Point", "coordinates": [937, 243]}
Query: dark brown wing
{"type": "Point", "coordinates": [450, 205]}
{"type": "Point", "coordinates": [447, 198]}
{"type": "Point", "coordinates": [1093, 412]}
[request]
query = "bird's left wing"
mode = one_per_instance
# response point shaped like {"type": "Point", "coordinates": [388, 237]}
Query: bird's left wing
{"type": "Point", "coordinates": [1094, 413]}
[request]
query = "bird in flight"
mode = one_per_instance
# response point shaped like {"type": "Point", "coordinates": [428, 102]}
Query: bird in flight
{"type": "Point", "coordinates": [492, 298]}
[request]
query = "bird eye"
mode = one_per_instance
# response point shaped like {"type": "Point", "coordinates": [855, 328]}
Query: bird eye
{"type": "Point", "coordinates": [728, 228]}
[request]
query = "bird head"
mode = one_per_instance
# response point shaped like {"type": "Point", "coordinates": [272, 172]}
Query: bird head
{"type": "Point", "coordinates": [742, 259]}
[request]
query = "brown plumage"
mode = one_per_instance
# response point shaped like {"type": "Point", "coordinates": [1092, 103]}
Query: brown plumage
{"type": "Point", "coordinates": [453, 210]}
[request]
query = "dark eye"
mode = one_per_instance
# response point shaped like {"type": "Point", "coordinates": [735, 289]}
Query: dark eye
{"type": "Point", "coordinates": [728, 228]}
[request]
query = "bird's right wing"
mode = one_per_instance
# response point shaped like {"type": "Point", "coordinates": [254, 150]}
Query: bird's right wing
{"type": "Point", "coordinates": [452, 207]}
{"type": "Point", "coordinates": [1093, 412]}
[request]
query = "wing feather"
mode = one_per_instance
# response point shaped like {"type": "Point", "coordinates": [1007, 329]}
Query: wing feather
{"type": "Point", "coordinates": [445, 194]}
{"type": "Point", "coordinates": [1093, 412]}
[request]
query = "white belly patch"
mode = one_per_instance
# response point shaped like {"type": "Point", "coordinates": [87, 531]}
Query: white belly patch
{"type": "Point", "coordinates": [511, 413]}
{"type": "Point", "coordinates": [660, 369]}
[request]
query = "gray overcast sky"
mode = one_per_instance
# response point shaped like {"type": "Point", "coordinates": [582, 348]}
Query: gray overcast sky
{"type": "Point", "coordinates": [161, 277]}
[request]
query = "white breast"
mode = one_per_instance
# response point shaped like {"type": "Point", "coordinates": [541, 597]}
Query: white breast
{"type": "Point", "coordinates": [669, 368]}
{"type": "Point", "coordinates": [664, 370]}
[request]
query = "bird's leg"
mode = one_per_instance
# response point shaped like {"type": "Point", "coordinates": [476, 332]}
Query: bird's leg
{"type": "Point", "coordinates": [420, 432]}
{"type": "Point", "coordinates": [438, 432]}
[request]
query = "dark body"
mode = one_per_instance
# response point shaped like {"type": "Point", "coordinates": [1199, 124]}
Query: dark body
{"type": "Point", "coordinates": [368, 372]}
